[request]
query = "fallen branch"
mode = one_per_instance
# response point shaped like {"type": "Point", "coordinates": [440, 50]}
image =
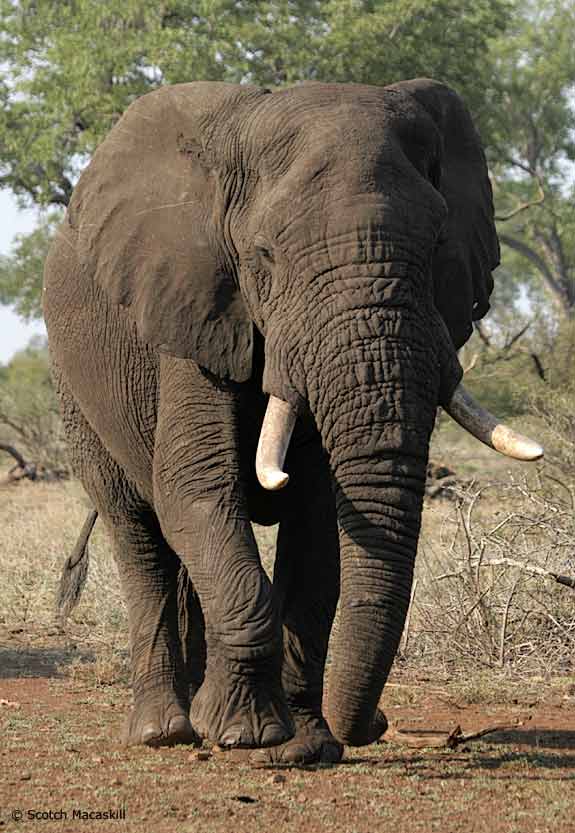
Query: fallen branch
{"type": "Point", "coordinates": [446, 740]}
{"type": "Point", "coordinates": [22, 468]}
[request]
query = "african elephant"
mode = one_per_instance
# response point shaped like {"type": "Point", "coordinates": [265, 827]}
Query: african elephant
{"type": "Point", "coordinates": [249, 274]}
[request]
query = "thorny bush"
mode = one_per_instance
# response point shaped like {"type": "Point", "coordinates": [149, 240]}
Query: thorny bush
{"type": "Point", "coordinates": [485, 593]}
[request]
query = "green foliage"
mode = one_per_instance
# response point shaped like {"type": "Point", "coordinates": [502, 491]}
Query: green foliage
{"type": "Point", "coordinates": [553, 403]}
{"type": "Point", "coordinates": [536, 75]}
{"type": "Point", "coordinates": [379, 42]}
{"type": "Point", "coordinates": [532, 153]}
{"type": "Point", "coordinates": [21, 271]}
{"type": "Point", "coordinates": [554, 408]}
{"type": "Point", "coordinates": [501, 382]}
{"type": "Point", "coordinates": [29, 416]}
{"type": "Point", "coordinates": [531, 378]}
{"type": "Point", "coordinates": [73, 67]}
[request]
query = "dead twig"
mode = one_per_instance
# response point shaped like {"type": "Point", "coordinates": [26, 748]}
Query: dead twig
{"type": "Point", "coordinates": [523, 206]}
{"type": "Point", "coordinates": [433, 739]}
{"type": "Point", "coordinates": [505, 621]}
{"type": "Point", "coordinates": [566, 581]}
{"type": "Point", "coordinates": [405, 635]}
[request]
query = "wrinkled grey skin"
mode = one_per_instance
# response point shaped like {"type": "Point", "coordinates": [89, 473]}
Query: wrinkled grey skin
{"type": "Point", "coordinates": [330, 245]}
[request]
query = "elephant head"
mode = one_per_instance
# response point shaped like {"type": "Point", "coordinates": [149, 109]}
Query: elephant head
{"type": "Point", "coordinates": [352, 226]}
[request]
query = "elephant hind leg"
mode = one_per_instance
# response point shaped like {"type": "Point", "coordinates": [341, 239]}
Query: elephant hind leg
{"type": "Point", "coordinates": [165, 621]}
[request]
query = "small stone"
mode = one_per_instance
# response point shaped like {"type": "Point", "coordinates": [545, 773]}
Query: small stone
{"type": "Point", "coordinates": [116, 782]}
{"type": "Point", "coordinates": [98, 760]}
{"type": "Point", "coordinates": [201, 755]}
{"type": "Point", "coordinates": [12, 704]}
{"type": "Point", "coordinates": [26, 776]}
{"type": "Point", "coordinates": [302, 798]}
{"type": "Point", "coordinates": [277, 778]}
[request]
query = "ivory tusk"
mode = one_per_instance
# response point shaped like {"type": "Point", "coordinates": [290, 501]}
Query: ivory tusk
{"type": "Point", "coordinates": [275, 437]}
{"type": "Point", "coordinates": [488, 429]}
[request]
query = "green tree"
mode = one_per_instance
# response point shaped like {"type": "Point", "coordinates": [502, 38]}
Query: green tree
{"type": "Point", "coordinates": [29, 415]}
{"type": "Point", "coordinates": [73, 66]}
{"type": "Point", "coordinates": [532, 154]}
{"type": "Point", "coordinates": [21, 271]}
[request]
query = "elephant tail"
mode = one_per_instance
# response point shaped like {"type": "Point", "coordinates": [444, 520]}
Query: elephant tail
{"type": "Point", "coordinates": [75, 571]}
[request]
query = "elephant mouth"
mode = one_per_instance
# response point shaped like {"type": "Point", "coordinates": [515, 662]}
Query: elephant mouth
{"type": "Point", "coordinates": [280, 418]}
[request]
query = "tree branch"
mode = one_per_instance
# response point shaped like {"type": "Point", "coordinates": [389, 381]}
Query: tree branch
{"type": "Point", "coordinates": [552, 245]}
{"type": "Point", "coordinates": [482, 333]}
{"type": "Point", "coordinates": [539, 369]}
{"type": "Point", "coordinates": [533, 569]}
{"type": "Point", "coordinates": [13, 452]}
{"type": "Point", "coordinates": [22, 469]}
{"type": "Point", "coordinates": [523, 206]}
{"type": "Point", "coordinates": [552, 283]}
{"type": "Point", "coordinates": [509, 344]}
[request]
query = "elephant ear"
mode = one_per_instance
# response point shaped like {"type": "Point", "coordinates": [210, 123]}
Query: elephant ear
{"type": "Point", "coordinates": [150, 210]}
{"type": "Point", "coordinates": [468, 249]}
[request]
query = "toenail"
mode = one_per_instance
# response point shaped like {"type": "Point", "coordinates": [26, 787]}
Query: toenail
{"type": "Point", "coordinates": [236, 736]}
{"type": "Point", "coordinates": [273, 735]}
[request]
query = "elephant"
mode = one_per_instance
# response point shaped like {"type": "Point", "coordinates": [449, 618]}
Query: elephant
{"type": "Point", "coordinates": [254, 306]}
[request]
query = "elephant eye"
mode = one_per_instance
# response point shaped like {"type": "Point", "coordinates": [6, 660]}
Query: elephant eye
{"type": "Point", "coordinates": [264, 252]}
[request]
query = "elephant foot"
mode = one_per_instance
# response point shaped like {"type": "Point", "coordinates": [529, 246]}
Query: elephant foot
{"type": "Point", "coordinates": [313, 743]}
{"type": "Point", "coordinates": [240, 711]}
{"type": "Point", "coordinates": [159, 722]}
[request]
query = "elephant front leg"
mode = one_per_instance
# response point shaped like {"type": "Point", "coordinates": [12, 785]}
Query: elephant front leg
{"type": "Point", "coordinates": [199, 496]}
{"type": "Point", "coordinates": [240, 702]}
{"type": "Point", "coordinates": [306, 582]}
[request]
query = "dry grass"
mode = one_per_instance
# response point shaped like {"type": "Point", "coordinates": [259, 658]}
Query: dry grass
{"type": "Point", "coordinates": [40, 524]}
{"type": "Point", "coordinates": [66, 696]}
{"type": "Point", "coordinates": [480, 598]}
{"type": "Point", "coordinates": [468, 613]}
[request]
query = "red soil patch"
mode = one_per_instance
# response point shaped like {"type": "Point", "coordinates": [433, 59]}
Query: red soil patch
{"type": "Point", "coordinates": [60, 753]}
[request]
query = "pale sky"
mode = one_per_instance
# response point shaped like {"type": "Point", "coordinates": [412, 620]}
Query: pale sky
{"type": "Point", "coordinates": [14, 333]}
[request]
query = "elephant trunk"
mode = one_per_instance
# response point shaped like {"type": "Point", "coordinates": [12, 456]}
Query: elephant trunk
{"type": "Point", "coordinates": [372, 375]}
{"type": "Point", "coordinates": [373, 387]}
{"type": "Point", "coordinates": [379, 510]}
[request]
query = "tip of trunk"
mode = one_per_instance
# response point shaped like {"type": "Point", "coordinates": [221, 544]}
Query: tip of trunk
{"type": "Point", "coordinates": [359, 732]}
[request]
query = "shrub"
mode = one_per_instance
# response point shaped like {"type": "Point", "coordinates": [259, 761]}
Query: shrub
{"type": "Point", "coordinates": [486, 592]}
{"type": "Point", "coordinates": [29, 416]}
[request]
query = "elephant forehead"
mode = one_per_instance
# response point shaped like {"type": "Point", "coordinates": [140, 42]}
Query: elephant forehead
{"type": "Point", "coordinates": [346, 124]}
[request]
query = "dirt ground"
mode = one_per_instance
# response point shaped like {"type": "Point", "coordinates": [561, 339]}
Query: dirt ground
{"type": "Point", "coordinates": [60, 755]}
